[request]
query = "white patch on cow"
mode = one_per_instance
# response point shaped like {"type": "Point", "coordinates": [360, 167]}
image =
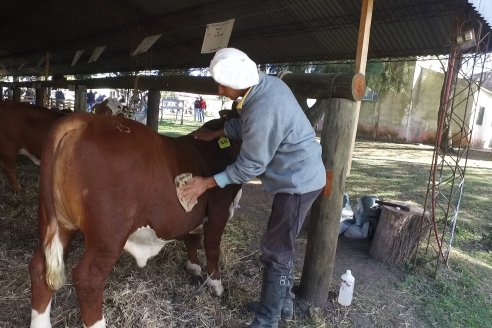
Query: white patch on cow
{"type": "Point", "coordinates": [144, 244]}
{"type": "Point", "coordinates": [235, 203]}
{"type": "Point", "coordinates": [193, 268]}
{"type": "Point", "coordinates": [216, 286]}
{"type": "Point", "coordinates": [115, 106]}
{"type": "Point", "coordinates": [41, 320]}
{"type": "Point", "coordinates": [100, 324]}
{"type": "Point", "coordinates": [33, 158]}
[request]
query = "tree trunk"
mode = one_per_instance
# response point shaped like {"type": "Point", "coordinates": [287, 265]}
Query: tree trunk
{"type": "Point", "coordinates": [397, 235]}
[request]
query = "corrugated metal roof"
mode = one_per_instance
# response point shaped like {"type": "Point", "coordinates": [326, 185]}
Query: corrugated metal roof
{"type": "Point", "coordinates": [268, 30]}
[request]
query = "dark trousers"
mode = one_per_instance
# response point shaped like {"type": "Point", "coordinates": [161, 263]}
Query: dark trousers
{"type": "Point", "coordinates": [285, 222]}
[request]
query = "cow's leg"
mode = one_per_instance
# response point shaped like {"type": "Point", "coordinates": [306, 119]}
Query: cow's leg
{"type": "Point", "coordinates": [213, 230]}
{"type": "Point", "coordinates": [89, 277]}
{"type": "Point", "coordinates": [8, 168]}
{"type": "Point", "coordinates": [41, 293]}
{"type": "Point", "coordinates": [220, 209]}
{"type": "Point", "coordinates": [192, 242]}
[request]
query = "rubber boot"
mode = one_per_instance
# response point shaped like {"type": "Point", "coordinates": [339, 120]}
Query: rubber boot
{"type": "Point", "coordinates": [287, 311]}
{"type": "Point", "coordinates": [272, 296]}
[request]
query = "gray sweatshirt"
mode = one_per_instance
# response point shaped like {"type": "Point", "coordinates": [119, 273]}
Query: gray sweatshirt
{"type": "Point", "coordinates": [278, 142]}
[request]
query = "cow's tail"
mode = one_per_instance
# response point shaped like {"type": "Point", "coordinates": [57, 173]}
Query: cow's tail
{"type": "Point", "coordinates": [53, 252]}
{"type": "Point", "coordinates": [52, 243]}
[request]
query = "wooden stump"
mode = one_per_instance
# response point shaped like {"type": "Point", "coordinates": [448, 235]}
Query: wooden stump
{"type": "Point", "coordinates": [397, 234]}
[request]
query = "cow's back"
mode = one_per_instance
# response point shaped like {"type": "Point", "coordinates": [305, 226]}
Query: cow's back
{"type": "Point", "coordinates": [113, 173]}
{"type": "Point", "coordinates": [24, 126]}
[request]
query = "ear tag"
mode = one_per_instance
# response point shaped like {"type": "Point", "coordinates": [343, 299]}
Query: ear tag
{"type": "Point", "coordinates": [224, 142]}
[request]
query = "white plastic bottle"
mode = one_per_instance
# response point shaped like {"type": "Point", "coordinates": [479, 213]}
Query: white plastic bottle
{"type": "Point", "coordinates": [346, 289]}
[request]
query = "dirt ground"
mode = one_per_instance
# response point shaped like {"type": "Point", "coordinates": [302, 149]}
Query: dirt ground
{"type": "Point", "coordinates": [377, 301]}
{"type": "Point", "coordinates": [163, 295]}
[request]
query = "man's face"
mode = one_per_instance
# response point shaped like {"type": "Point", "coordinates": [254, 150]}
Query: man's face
{"type": "Point", "coordinates": [231, 93]}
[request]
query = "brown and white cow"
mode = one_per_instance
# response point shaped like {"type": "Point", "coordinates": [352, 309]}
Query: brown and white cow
{"type": "Point", "coordinates": [129, 202]}
{"type": "Point", "coordinates": [110, 106]}
{"type": "Point", "coordinates": [23, 128]}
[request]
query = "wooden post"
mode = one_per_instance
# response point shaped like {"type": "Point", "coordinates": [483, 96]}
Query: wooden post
{"type": "Point", "coordinates": [153, 101]}
{"type": "Point", "coordinates": [325, 212]}
{"type": "Point", "coordinates": [41, 97]}
{"type": "Point", "coordinates": [80, 104]}
{"type": "Point", "coordinates": [361, 60]}
{"type": "Point", "coordinates": [17, 94]}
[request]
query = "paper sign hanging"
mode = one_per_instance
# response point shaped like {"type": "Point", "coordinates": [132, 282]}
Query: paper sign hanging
{"type": "Point", "coordinates": [146, 43]}
{"type": "Point", "coordinates": [96, 53]}
{"type": "Point", "coordinates": [76, 57]}
{"type": "Point", "coordinates": [217, 36]}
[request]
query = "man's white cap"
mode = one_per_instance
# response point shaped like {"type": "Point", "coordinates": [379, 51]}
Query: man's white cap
{"type": "Point", "coordinates": [232, 68]}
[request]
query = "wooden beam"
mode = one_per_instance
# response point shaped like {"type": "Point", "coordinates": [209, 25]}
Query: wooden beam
{"type": "Point", "coordinates": [361, 61]}
{"type": "Point", "coordinates": [316, 86]}
{"type": "Point", "coordinates": [364, 34]}
{"type": "Point", "coordinates": [327, 85]}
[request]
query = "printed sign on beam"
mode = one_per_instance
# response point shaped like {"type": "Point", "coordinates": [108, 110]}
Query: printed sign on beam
{"type": "Point", "coordinates": [146, 43]}
{"type": "Point", "coordinates": [76, 57]}
{"type": "Point", "coordinates": [96, 53]}
{"type": "Point", "coordinates": [217, 36]}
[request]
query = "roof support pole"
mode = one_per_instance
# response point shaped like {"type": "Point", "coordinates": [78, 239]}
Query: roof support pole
{"type": "Point", "coordinates": [80, 104]}
{"type": "Point", "coordinates": [337, 141]}
{"type": "Point", "coordinates": [153, 101]}
{"type": "Point", "coordinates": [361, 60]}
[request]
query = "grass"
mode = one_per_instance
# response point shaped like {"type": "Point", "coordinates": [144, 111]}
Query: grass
{"type": "Point", "coordinates": [461, 294]}
{"type": "Point", "coordinates": [173, 128]}
{"type": "Point", "coordinates": [459, 297]}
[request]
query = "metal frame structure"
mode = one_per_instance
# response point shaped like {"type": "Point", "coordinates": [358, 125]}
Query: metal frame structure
{"type": "Point", "coordinates": [464, 76]}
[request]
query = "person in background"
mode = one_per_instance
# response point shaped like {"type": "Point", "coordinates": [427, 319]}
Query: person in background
{"type": "Point", "coordinates": [59, 99]}
{"type": "Point", "coordinates": [30, 96]}
{"type": "Point", "coordinates": [196, 109]}
{"type": "Point", "coordinates": [280, 148]}
{"type": "Point", "coordinates": [91, 100]}
{"type": "Point", "coordinates": [203, 107]}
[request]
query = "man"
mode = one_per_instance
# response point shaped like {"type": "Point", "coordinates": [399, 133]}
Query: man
{"type": "Point", "coordinates": [60, 99]}
{"type": "Point", "coordinates": [196, 109]}
{"type": "Point", "coordinates": [279, 147]}
{"type": "Point", "coordinates": [203, 108]}
{"type": "Point", "coordinates": [91, 100]}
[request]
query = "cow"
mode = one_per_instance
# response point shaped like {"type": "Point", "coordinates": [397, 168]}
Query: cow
{"type": "Point", "coordinates": [110, 106]}
{"type": "Point", "coordinates": [23, 128]}
{"type": "Point", "coordinates": [112, 179]}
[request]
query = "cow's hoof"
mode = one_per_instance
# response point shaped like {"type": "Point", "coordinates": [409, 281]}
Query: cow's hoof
{"type": "Point", "coordinates": [193, 268]}
{"type": "Point", "coordinates": [216, 285]}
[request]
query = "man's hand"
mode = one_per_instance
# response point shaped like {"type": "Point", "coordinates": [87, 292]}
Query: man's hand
{"type": "Point", "coordinates": [208, 135]}
{"type": "Point", "coordinates": [196, 187]}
